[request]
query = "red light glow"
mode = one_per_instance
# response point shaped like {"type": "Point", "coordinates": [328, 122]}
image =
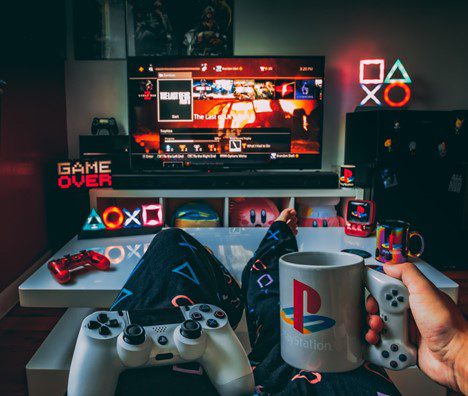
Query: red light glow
{"type": "Point", "coordinates": [116, 223]}
{"type": "Point", "coordinates": [402, 102]}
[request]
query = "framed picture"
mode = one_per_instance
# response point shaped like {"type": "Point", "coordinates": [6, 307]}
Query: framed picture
{"type": "Point", "coordinates": [180, 27]}
{"type": "Point", "coordinates": [99, 29]}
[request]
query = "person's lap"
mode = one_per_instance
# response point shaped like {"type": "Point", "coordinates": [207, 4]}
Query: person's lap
{"type": "Point", "coordinates": [178, 270]}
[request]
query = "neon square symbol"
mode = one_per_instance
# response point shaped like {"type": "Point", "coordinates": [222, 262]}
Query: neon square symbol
{"type": "Point", "coordinates": [152, 215]}
{"type": "Point", "coordinates": [365, 63]}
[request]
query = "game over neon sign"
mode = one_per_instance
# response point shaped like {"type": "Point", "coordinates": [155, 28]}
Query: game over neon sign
{"type": "Point", "coordinates": [372, 78]}
{"type": "Point", "coordinates": [81, 174]}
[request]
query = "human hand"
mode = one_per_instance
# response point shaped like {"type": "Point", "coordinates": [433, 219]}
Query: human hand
{"type": "Point", "coordinates": [290, 218]}
{"type": "Point", "coordinates": [440, 332]}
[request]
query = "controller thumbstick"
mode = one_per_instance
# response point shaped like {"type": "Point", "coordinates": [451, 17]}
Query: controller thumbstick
{"type": "Point", "coordinates": [134, 334]}
{"type": "Point", "coordinates": [190, 329]}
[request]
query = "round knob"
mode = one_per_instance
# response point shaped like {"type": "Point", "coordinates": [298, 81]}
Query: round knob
{"type": "Point", "coordinates": [190, 329]}
{"type": "Point", "coordinates": [134, 334]}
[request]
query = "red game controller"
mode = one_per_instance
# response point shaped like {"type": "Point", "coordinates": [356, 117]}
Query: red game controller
{"type": "Point", "coordinates": [62, 268]}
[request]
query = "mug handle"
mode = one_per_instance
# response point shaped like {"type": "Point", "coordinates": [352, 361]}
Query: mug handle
{"type": "Point", "coordinates": [421, 251]}
{"type": "Point", "coordinates": [395, 351]}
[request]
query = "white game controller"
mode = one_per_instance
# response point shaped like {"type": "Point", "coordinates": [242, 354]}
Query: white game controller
{"type": "Point", "coordinates": [111, 342]}
{"type": "Point", "coordinates": [394, 351]}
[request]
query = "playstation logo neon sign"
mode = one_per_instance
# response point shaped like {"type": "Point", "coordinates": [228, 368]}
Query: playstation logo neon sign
{"type": "Point", "coordinates": [372, 79]}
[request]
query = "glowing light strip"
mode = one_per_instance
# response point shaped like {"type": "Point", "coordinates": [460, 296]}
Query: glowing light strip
{"type": "Point", "coordinates": [401, 103]}
{"type": "Point", "coordinates": [371, 95]}
{"type": "Point", "coordinates": [398, 65]}
{"type": "Point", "coordinates": [367, 62]}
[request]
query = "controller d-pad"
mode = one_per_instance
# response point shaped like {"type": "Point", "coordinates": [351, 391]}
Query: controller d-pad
{"type": "Point", "coordinates": [388, 297]}
{"type": "Point", "coordinates": [395, 292]}
{"type": "Point", "coordinates": [400, 298]}
{"type": "Point", "coordinates": [102, 318]}
{"type": "Point", "coordinates": [394, 303]}
{"type": "Point", "coordinates": [104, 330]}
{"type": "Point", "coordinates": [402, 357]}
{"type": "Point", "coordinates": [205, 308]}
{"type": "Point", "coordinates": [393, 364]}
{"type": "Point", "coordinates": [213, 323]}
{"type": "Point", "coordinates": [93, 325]}
{"type": "Point", "coordinates": [385, 354]}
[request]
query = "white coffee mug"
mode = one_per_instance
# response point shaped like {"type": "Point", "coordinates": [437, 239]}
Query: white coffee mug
{"type": "Point", "coordinates": [322, 313]}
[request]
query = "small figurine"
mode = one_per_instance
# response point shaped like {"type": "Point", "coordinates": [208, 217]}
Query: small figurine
{"type": "Point", "coordinates": [388, 145]}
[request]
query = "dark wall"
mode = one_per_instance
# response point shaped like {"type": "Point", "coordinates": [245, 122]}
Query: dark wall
{"type": "Point", "coordinates": [32, 130]}
{"type": "Point", "coordinates": [33, 135]}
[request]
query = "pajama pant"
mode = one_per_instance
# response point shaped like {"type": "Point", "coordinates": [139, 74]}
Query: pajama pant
{"type": "Point", "coordinates": [177, 270]}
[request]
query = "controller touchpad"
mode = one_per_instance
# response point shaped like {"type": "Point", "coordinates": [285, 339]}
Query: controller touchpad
{"type": "Point", "coordinates": [152, 317]}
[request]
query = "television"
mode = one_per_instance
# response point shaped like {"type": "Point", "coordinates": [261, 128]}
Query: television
{"type": "Point", "coordinates": [225, 113]}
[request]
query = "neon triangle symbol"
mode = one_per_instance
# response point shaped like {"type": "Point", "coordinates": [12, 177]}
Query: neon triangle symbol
{"type": "Point", "coordinates": [94, 222]}
{"type": "Point", "coordinates": [398, 65]}
{"type": "Point", "coordinates": [189, 274]}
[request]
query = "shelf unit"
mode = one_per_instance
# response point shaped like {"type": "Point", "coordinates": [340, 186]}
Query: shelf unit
{"type": "Point", "coordinates": [287, 197]}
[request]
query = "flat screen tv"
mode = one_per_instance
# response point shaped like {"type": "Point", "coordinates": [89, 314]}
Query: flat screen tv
{"type": "Point", "coordinates": [226, 113]}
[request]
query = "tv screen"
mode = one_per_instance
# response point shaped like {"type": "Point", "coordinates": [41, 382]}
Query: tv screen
{"type": "Point", "coordinates": [234, 113]}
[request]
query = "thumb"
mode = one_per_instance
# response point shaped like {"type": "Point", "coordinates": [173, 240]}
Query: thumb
{"type": "Point", "coordinates": [412, 278]}
{"type": "Point", "coordinates": [426, 302]}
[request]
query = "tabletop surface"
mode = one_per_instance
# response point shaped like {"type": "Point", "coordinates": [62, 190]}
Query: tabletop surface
{"type": "Point", "coordinates": [233, 247]}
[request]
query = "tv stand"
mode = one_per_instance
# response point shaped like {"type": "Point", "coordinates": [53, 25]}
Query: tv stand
{"type": "Point", "coordinates": [226, 180]}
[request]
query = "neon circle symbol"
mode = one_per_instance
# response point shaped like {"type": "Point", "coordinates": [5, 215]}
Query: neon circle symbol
{"type": "Point", "coordinates": [117, 223]}
{"type": "Point", "coordinates": [401, 103]}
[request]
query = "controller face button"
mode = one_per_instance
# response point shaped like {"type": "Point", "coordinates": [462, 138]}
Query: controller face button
{"type": "Point", "coordinates": [400, 298]}
{"type": "Point", "coordinates": [220, 314]}
{"type": "Point", "coordinates": [393, 364]}
{"type": "Point", "coordinates": [402, 358]}
{"type": "Point", "coordinates": [104, 330]}
{"type": "Point", "coordinates": [197, 316]}
{"type": "Point", "coordinates": [164, 356]}
{"type": "Point", "coordinates": [394, 292]}
{"type": "Point", "coordinates": [213, 323]}
{"type": "Point", "coordinates": [93, 325]}
{"type": "Point", "coordinates": [162, 340]}
{"type": "Point", "coordinates": [134, 334]}
{"type": "Point", "coordinates": [102, 318]}
{"type": "Point", "coordinates": [190, 329]}
{"type": "Point", "coordinates": [113, 323]}
{"type": "Point", "coordinates": [205, 308]}
{"type": "Point", "coordinates": [394, 304]}
{"type": "Point", "coordinates": [385, 354]}
{"type": "Point", "coordinates": [388, 297]}
{"type": "Point", "coordinates": [394, 347]}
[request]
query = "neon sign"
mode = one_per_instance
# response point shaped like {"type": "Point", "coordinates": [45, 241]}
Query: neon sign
{"type": "Point", "coordinates": [115, 221]}
{"type": "Point", "coordinates": [80, 174]}
{"type": "Point", "coordinates": [371, 78]}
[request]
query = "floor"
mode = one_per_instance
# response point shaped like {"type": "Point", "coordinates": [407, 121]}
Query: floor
{"type": "Point", "coordinates": [22, 331]}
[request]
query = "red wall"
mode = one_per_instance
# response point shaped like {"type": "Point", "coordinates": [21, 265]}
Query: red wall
{"type": "Point", "coordinates": [33, 135]}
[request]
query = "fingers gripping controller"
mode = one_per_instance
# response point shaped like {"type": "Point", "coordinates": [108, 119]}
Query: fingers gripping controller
{"type": "Point", "coordinates": [394, 350]}
{"type": "Point", "coordinates": [110, 342]}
